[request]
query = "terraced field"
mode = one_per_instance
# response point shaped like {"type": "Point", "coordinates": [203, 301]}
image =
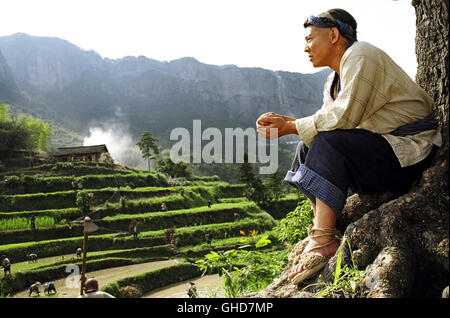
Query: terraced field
{"type": "Point", "coordinates": [174, 216]}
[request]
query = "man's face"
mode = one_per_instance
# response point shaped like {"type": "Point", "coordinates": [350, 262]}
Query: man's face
{"type": "Point", "coordinates": [318, 45]}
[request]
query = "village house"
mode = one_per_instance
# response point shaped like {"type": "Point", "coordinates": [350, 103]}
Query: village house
{"type": "Point", "coordinates": [97, 153]}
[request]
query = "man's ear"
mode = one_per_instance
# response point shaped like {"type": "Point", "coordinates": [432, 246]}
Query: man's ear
{"type": "Point", "coordinates": [334, 35]}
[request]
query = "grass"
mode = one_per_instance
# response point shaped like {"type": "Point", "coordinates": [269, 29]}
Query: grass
{"type": "Point", "coordinates": [20, 223]}
{"type": "Point", "coordinates": [346, 278]}
{"type": "Point", "coordinates": [214, 208]}
{"type": "Point", "coordinates": [57, 214]}
{"type": "Point", "coordinates": [232, 200]}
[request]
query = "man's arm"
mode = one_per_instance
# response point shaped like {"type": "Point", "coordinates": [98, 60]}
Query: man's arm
{"type": "Point", "coordinates": [284, 125]}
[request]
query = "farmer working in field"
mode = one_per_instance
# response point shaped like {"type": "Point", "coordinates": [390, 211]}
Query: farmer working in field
{"type": "Point", "coordinates": [6, 264]}
{"type": "Point", "coordinates": [373, 133]}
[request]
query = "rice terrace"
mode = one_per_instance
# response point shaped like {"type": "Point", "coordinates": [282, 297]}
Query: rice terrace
{"type": "Point", "coordinates": [154, 235]}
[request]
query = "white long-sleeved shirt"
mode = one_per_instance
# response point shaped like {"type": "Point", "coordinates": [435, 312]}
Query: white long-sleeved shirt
{"type": "Point", "coordinates": [377, 95]}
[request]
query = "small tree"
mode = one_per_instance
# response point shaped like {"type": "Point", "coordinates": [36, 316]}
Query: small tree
{"type": "Point", "coordinates": [148, 146]}
{"type": "Point", "coordinates": [175, 170]}
{"type": "Point", "coordinates": [22, 132]}
{"type": "Point", "coordinates": [275, 186]}
{"type": "Point", "coordinates": [254, 187]}
{"type": "Point", "coordinates": [246, 174]}
{"type": "Point", "coordinates": [84, 201]}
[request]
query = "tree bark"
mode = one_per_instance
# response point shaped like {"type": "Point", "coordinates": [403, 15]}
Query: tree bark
{"type": "Point", "coordinates": [402, 242]}
{"type": "Point", "coordinates": [432, 55]}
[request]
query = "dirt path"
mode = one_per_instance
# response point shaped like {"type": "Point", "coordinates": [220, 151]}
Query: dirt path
{"type": "Point", "coordinates": [207, 286]}
{"type": "Point", "coordinates": [68, 289]}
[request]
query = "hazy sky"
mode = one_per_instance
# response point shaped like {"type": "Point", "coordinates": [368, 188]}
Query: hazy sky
{"type": "Point", "coordinates": [247, 33]}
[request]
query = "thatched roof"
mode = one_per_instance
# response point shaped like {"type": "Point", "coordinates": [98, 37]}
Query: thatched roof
{"type": "Point", "coordinates": [81, 150]}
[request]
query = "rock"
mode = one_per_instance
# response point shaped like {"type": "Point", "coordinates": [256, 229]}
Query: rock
{"type": "Point", "coordinates": [130, 292]}
{"type": "Point", "coordinates": [359, 204]}
{"type": "Point", "coordinates": [445, 292]}
{"type": "Point", "coordinates": [390, 275]}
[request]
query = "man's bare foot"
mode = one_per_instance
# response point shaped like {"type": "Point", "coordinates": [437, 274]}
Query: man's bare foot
{"type": "Point", "coordinates": [311, 247]}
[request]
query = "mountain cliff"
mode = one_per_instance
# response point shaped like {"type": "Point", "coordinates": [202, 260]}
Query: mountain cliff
{"type": "Point", "coordinates": [84, 89]}
{"type": "Point", "coordinates": [9, 91]}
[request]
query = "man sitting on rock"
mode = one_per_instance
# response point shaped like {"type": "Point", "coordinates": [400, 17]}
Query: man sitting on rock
{"type": "Point", "coordinates": [373, 133]}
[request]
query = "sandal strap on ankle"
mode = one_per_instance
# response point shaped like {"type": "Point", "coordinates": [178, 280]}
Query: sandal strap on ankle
{"type": "Point", "coordinates": [334, 233]}
{"type": "Point", "coordinates": [323, 245]}
{"type": "Point", "coordinates": [300, 246]}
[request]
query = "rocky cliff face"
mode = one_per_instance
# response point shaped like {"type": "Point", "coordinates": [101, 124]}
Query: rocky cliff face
{"type": "Point", "coordinates": [152, 95]}
{"type": "Point", "coordinates": [9, 90]}
{"type": "Point", "coordinates": [43, 64]}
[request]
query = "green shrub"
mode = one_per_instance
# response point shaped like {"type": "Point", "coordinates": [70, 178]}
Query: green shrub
{"type": "Point", "coordinates": [246, 271]}
{"type": "Point", "coordinates": [280, 208]}
{"type": "Point", "coordinates": [294, 227]}
{"type": "Point", "coordinates": [224, 190]}
{"type": "Point", "coordinates": [84, 201]}
{"type": "Point", "coordinates": [133, 180]}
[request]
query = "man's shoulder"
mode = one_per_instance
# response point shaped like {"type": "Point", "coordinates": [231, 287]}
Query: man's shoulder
{"type": "Point", "coordinates": [361, 48]}
{"type": "Point", "coordinates": [364, 51]}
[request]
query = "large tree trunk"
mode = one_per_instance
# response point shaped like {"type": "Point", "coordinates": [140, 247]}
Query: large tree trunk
{"type": "Point", "coordinates": [403, 242]}
{"type": "Point", "coordinates": [432, 55]}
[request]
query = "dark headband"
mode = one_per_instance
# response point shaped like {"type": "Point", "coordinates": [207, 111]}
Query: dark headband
{"type": "Point", "coordinates": [345, 29]}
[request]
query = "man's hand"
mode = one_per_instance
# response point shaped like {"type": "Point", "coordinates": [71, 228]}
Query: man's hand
{"type": "Point", "coordinates": [284, 124]}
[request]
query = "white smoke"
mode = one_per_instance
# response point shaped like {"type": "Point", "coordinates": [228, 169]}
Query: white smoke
{"type": "Point", "coordinates": [119, 142]}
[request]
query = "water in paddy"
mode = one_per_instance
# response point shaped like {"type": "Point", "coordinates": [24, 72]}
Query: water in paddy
{"type": "Point", "coordinates": [207, 286]}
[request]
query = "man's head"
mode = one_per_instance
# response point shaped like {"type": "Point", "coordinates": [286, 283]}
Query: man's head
{"type": "Point", "coordinates": [91, 284]}
{"type": "Point", "coordinates": [328, 35]}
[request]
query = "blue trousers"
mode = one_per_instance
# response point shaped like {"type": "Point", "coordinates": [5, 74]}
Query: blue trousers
{"type": "Point", "coordinates": [355, 159]}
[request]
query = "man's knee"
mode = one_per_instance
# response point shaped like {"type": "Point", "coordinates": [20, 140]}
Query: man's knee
{"type": "Point", "coordinates": [333, 137]}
